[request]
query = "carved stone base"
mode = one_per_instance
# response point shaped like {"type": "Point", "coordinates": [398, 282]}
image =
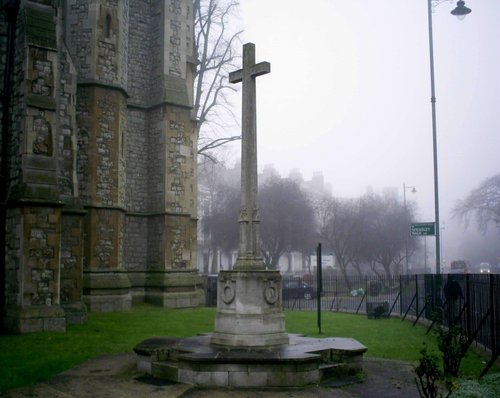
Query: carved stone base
{"type": "Point", "coordinates": [249, 312]}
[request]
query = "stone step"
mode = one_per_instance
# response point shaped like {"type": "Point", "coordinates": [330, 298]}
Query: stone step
{"type": "Point", "coordinates": [195, 361]}
{"type": "Point", "coordinates": [334, 370]}
{"type": "Point", "coordinates": [165, 370]}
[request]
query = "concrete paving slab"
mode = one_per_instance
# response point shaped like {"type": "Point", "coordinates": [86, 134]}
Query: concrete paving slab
{"type": "Point", "coordinates": [114, 376]}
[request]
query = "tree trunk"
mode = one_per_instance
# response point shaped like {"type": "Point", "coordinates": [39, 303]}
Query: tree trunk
{"type": "Point", "coordinates": [343, 267]}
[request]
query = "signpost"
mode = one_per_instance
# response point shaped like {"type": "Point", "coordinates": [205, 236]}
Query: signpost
{"type": "Point", "coordinates": [319, 275]}
{"type": "Point", "coordinates": [423, 229]}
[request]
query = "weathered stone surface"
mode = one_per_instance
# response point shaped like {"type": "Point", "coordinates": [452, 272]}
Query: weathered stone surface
{"type": "Point", "coordinates": [101, 133]}
{"type": "Point", "coordinates": [35, 319]}
{"type": "Point", "coordinates": [106, 292]}
{"type": "Point", "coordinates": [249, 251]}
{"type": "Point", "coordinates": [196, 361]}
{"type": "Point", "coordinates": [249, 311]}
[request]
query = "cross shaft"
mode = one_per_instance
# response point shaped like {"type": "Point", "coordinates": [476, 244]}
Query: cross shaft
{"type": "Point", "coordinates": [249, 253]}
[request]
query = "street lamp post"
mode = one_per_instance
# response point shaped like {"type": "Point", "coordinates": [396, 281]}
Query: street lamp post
{"type": "Point", "coordinates": [460, 11]}
{"type": "Point", "coordinates": [442, 240]}
{"type": "Point", "coordinates": [413, 190]}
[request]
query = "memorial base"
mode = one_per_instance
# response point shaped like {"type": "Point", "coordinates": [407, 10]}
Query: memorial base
{"type": "Point", "coordinates": [249, 312]}
{"type": "Point", "coordinates": [301, 362]}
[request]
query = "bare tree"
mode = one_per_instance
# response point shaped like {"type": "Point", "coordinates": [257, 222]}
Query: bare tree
{"type": "Point", "coordinates": [216, 45]}
{"type": "Point", "coordinates": [384, 232]}
{"type": "Point", "coordinates": [219, 208]}
{"type": "Point", "coordinates": [483, 203]}
{"type": "Point", "coordinates": [338, 224]}
{"type": "Point", "coordinates": [287, 219]}
{"type": "Point", "coordinates": [221, 223]}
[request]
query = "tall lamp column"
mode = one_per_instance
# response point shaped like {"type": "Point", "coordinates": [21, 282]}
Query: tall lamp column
{"type": "Point", "coordinates": [460, 11]}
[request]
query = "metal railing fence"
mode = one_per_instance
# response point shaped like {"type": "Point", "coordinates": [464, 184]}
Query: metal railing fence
{"type": "Point", "coordinates": [470, 301]}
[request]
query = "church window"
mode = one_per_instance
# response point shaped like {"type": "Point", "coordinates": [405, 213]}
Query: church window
{"type": "Point", "coordinates": [107, 26]}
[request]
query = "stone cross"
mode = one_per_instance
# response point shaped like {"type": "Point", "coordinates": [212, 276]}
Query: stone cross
{"type": "Point", "coordinates": [249, 253]}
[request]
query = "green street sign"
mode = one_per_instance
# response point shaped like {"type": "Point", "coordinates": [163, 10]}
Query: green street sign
{"type": "Point", "coordinates": [422, 229]}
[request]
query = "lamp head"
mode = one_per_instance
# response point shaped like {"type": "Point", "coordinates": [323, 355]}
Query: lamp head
{"type": "Point", "coordinates": [461, 10]}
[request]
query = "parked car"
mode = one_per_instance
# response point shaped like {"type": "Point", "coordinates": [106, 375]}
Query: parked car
{"type": "Point", "coordinates": [484, 268]}
{"type": "Point", "coordinates": [297, 289]}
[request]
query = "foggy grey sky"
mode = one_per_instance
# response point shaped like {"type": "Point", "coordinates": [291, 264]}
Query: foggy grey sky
{"type": "Point", "coordinates": [349, 95]}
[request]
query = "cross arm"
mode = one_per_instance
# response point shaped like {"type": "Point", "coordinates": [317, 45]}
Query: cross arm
{"type": "Point", "coordinates": [260, 69]}
{"type": "Point", "coordinates": [236, 76]}
{"type": "Point", "coordinates": [255, 70]}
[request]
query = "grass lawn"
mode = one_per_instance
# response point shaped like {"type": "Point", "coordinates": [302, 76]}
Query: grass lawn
{"type": "Point", "coordinates": [30, 358]}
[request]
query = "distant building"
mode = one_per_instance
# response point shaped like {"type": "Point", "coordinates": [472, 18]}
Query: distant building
{"type": "Point", "coordinates": [98, 159]}
{"type": "Point", "coordinates": [316, 185]}
{"type": "Point", "coordinates": [268, 173]}
{"type": "Point", "coordinates": [296, 175]}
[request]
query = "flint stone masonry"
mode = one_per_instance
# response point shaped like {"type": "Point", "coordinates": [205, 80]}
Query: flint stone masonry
{"type": "Point", "coordinates": [83, 142]}
{"type": "Point", "coordinates": [136, 243]}
{"type": "Point", "coordinates": [106, 178]}
{"type": "Point", "coordinates": [101, 134]}
{"type": "Point", "coordinates": [104, 245]}
{"type": "Point", "coordinates": [32, 286]}
{"type": "Point", "coordinates": [71, 288]}
{"type": "Point", "coordinates": [137, 164]}
{"type": "Point", "coordinates": [139, 44]}
{"type": "Point", "coordinates": [66, 121]}
{"type": "Point", "coordinates": [42, 228]}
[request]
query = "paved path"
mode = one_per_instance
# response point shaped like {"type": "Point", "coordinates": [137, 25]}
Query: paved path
{"type": "Point", "coordinates": [115, 376]}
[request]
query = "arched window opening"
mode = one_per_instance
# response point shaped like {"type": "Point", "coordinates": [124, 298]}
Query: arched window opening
{"type": "Point", "coordinates": [107, 27]}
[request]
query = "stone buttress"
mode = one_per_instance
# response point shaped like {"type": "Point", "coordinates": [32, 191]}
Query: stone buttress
{"type": "Point", "coordinates": [100, 160]}
{"type": "Point", "coordinates": [96, 34]}
{"type": "Point", "coordinates": [43, 225]}
{"type": "Point", "coordinates": [137, 151]}
{"type": "Point", "coordinates": [161, 145]}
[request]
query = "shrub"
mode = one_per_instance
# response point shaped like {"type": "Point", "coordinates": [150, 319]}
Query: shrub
{"type": "Point", "coordinates": [428, 374]}
{"type": "Point", "coordinates": [453, 345]}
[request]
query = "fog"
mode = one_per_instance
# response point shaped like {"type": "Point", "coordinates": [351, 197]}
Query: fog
{"type": "Point", "coordinates": [349, 95]}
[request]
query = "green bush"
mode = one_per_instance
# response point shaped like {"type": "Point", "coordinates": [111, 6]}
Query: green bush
{"type": "Point", "coordinates": [453, 345]}
{"type": "Point", "coordinates": [428, 374]}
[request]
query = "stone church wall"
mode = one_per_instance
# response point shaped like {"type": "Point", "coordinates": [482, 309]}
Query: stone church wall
{"type": "Point", "coordinates": [34, 203]}
{"type": "Point", "coordinates": [137, 161]}
{"type": "Point", "coordinates": [160, 145]}
{"type": "Point", "coordinates": [102, 162]}
{"type": "Point", "coordinates": [140, 44]}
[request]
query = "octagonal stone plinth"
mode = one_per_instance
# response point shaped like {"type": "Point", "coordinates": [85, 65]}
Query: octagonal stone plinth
{"type": "Point", "coordinates": [196, 361]}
